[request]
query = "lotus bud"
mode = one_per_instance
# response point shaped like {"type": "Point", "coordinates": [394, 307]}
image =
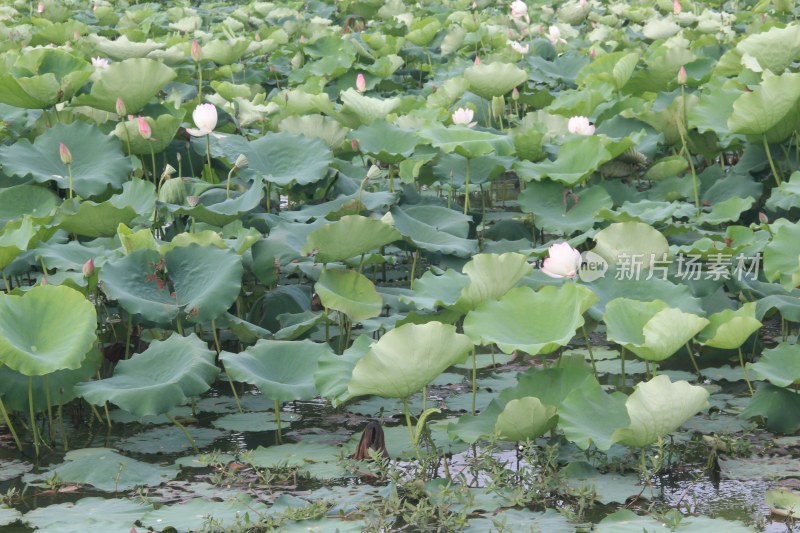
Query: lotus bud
{"type": "Point", "coordinates": [676, 7]}
{"type": "Point", "coordinates": [197, 52]}
{"type": "Point", "coordinates": [257, 37]}
{"type": "Point", "coordinates": [592, 53]}
{"type": "Point", "coordinates": [682, 77]}
{"type": "Point", "coordinates": [192, 200]}
{"type": "Point", "coordinates": [44, 281]}
{"type": "Point", "coordinates": [762, 217]}
{"type": "Point", "coordinates": [241, 162]}
{"type": "Point", "coordinates": [498, 106]}
{"type": "Point", "coordinates": [173, 192]}
{"type": "Point", "coordinates": [354, 145]}
{"type": "Point", "coordinates": [169, 170]}
{"type": "Point", "coordinates": [88, 268]}
{"type": "Point", "coordinates": [361, 83]}
{"type": "Point", "coordinates": [477, 60]}
{"type": "Point", "coordinates": [515, 94]}
{"type": "Point", "coordinates": [144, 128]}
{"type": "Point", "coordinates": [40, 7]}
{"type": "Point", "coordinates": [564, 261]}
{"type": "Point", "coordinates": [76, 35]}
{"type": "Point", "coordinates": [373, 172]}
{"type": "Point", "coordinates": [65, 154]}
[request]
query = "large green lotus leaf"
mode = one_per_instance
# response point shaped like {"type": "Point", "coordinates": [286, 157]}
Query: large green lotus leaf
{"type": "Point", "coordinates": [16, 237]}
{"type": "Point", "coordinates": [784, 502]}
{"type": "Point", "coordinates": [348, 237]}
{"type": "Point", "coordinates": [88, 514]}
{"type": "Point", "coordinates": [43, 77]}
{"type": "Point", "coordinates": [553, 213]}
{"type": "Point", "coordinates": [157, 380]}
{"type": "Point", "coordinates": [778, 405]}
{"type": "Point", "coordinates": [629, 241]}
{"type": "Point", "coordinates": [786, 195]}
{"type": "Point", "coordinates": [626, 521]}
{"type": "Point", "coordinates": [135, 81]}
{"type": "Point", "coordinates": [92, 219]}
{"type": "Point", "coordinates": [589, 415]}
{"type": "Point", "coordinates": [225, 52]}
{"type": "Point", "coordinates": [163, 129]}
{"type": "Point", "coordinates": [658, 407]}
{"type": "Point", "coordinates": [423, 30]}
{"type": "Point", "coordinates": [494, 79]}
{"type": "Point", "coordinates": [25, 199]}
{"type": "Point", "coordinates": [97, 159]}
{"type": "Point", "coordinates": [224, 212]}
{"type": "Point", "coordinates": [334, 371]}
{"type": "Point", "coordinates": [713, 109]}
{"type": "Point", "coordinates": [55, 388]}
{"type": "Point", "coordinates": [168, 439]}
{"type": "Point", "coordinates": [432, 291]}
{"type": "Point", "coordinates": [315, 126]}
{"type": "Point", "coordinates": [122, 48]}
{"type": "Point", "coordinates": [577, 160]}
{"type": "Point", "coordinates": [536, 322]}
{"type": "Point", "coordinates": [652, 330]}
{"type": "Point", "coordinates": [779, 365]}
{"type": "Point", "coordinates": [726, 211]}
{"type": "Point", "coordinates": [729, 329]}
{"type": "Point", "coordinates": [435, 229]}
{"type": "Point", "coordinates": [386, 142]}
{"type": "Point", "coordinates": [282, 370]}
{"type": "Point", "coordinates": [774, 49]}
{"type": "Point", "coordinates": [197, 513]}
{"type": "Point", "coordinates": [465, 141]}
{"type": "Point", "coordinates": [46, 329]}
{"type": "Point", "coordinates": [106, 470]}
{"type": "Point", "coordinates": [9, 516]}
{"type": "Point", "coordinates": [757, 112]}
{"type": "Point", "coordinates": [136, 240]}
{"type": "Point", "coordinates": [285, 158]}
{"type": "Point", "coordinates": [407, 358]}
{"type": "Point", "coordinates": [490, 277]}
{"type": "Point", "coordinates": [350, 292]}
{"type": "Point", "coordinates": [525, 418]}
{"type": "Point", "coordinates": [782, 256]}
{"type": "Point", "coordinates": [205, 281]}
{"type": "Point", "coordinates": [358, 109]}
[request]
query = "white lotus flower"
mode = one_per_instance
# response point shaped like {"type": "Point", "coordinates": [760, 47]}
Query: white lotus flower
{"type": "Point", "coordinates": [580, 126]}
{"type": "Point", "coordinates": [463, 116]}
{"type": "Point", "coordinates": [564, 261]}
{"type": "Point", "coordinates": [519, 9]}
{"type": "Point", "coordinates": [520, 48]}
{"type": "Point", "coordinates": [554, 35]}
{"type": "Point", "coordinates": [205, 118]}
{"type": "Point", "coordinates": [100, 62]}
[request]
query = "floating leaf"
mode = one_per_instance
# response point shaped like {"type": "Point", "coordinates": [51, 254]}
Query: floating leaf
{"type": "Point", "coordinates": [488, 80]}
{"type": "Point", "coordinates": [779, 365]}
{"type": "Point", "coordinates": [350, 292]}
{"type": "Point", "coordinates": [135, 81]}
{"type": "Point", "coordinates": [348, 237]}
{"type": "Point", "coordinates": [729, 329]}
{"type": "Point", "coordinates": [285, 158]}
{"type": "Point", "coordinates": [525, 418]}
{"type": "Point", "coordinates": [95, 514]}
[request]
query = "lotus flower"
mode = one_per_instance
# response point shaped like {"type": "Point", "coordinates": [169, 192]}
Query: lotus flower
{"type": "Point", "coordinates": [197, 52]}
{"type": "Point", "coordinates": [676, 7]}
{"type": "Point", "coordinates": [100, 62]}
{"type": "Point", "coordinates": [477, 60]}
{"type": "Point", "coordinates": [564, 261]}
{"type": "Point", "coordinates": [580, 126]}
{"type": "Point", "coordinates": [519, 48]}
{"type": "Point", "coordinates": [682, 76]}
{"type": "Point", "coordinates": [65, 154]}
{"type": "Point", "coordinates": [205, 118]}
{"type": "Point", "coordinates": [120, 106]}
{"type": "Point", "coordinates": [361, 83]}
{"type": "Point", "coordinates": [144, 128]}
{"type": "Point", "coordinates": [88, 268]}
{"type": "Point", "coordinates": [463, 116]}
{"type": "Point", "coordinates": [519, 9]}
{"type": "Point", "coordinates": [554, 35]}
{"type": "Point", "coordinates": [40, 7]}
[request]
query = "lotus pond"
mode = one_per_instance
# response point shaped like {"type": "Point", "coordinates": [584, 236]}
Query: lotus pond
{"type": "Point", "coordinates": [380, 266]}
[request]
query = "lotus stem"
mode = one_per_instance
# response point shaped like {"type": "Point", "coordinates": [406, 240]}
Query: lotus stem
{"type": "Point", "coordinates": [411, 429]}
{"type": "Point", "coordinates": [105, 407]}
{"type": "Point", "coordinates": [466, 192]}
{"type": "Point", "coordinates": [744, 370]}
{"type": "Point", "coordinates": [694, 361]}
{"type": "Point", "coordinates": [208, 157]}
{"type": "Point", "coordinates": [64, 440]}
{"type": "Point", "coordinates": [49, 409]}
{"type": "Point", "coordinates": [589, 347]}
{"type": "Point", "coordinates": [185, 431]}
{"type": "Point", "coordinates": [128, 337]}
{"type": "Point", "coordinates": [474, 378]}
{"type": "Point", "coordinates": [33, 416]}
{"type": "Point", "coordinates": [178, 324]}
{"type": "Point", "coordinates": [96, 413]}
{"type": "Point", "coordinates": [277, 408]}
{"type": "Point", "coordinates": [69, 173]}
{"type": "Point", "coordinates": [622, 364]}
{"type": "Point", "coordinates": [774, 170]}
{"type": "Point", "coordinates": [269, 198]}
{"type": "Point", "coordinates": [153, 162]}
{"type": "Point", "coordinates": [228, 184]}
{"type": "Point", "coordinates": [9, 425]}
{"type": "Point", "coordinates": [412, 276]}
{"type": "Point", "coordinates": [424, 398]}
{"type": "Point", "coordinates": [5, 281]}
{"type": "Point", "coordinates": [199, 83]}
{"type": "Point", "coordinates": [230, 381]}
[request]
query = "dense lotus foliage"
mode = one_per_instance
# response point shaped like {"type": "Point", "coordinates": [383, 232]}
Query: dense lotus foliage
{"type": "Point", "coordinates": [572, 226]}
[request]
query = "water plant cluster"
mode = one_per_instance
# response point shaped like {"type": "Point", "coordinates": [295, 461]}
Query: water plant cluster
{"type": "Point", "coordinates": [553, 248]}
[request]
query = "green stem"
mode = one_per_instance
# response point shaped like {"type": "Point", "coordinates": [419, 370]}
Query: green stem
{"type": "Point", "coordinates": [228, 184]}
{"type": "Point", "coordinates": [744, 369]}
{"type": "Point", "coordinates": [589, 347]}
{"type": "Point", "coordinates": [5, 281]}
{"type": "Point", "coordinates": [153, 162]}
{"type": "Point", "coordinates": [9, 425]}
{"type": "Point", "coordinates": [69, 172]}
{"type": "Point", "coordinates": [49, 408]}
{"type": "Point", "coordinates": [179, 324]}
{"type": "Point", "coordinates": [278, 420]}
{"type": "Point", "coordinates": [185, 431]}
{"type": "Point", "coordinates": [199, 84]}
{"type": "Point", "coordinates": [774, 170]}
{"type": "Point", "coordinates": [622, 364]}
{"type": "Point", "coordinates": [269, 198]}
{"type": "Point", "coordinates": [128, 337]}
{"type": "Point", "coordinates": [64, 440]}
{"type": "Point", "coordinates": [413, 269]}
{"type": "Point", "coordinates": [33, 416]}
{"type": "Point", "coordinates": [694, 361]}
{"type": "Point", "coordinates": [474, 378]}
{"type": "Point", "coordinates": [466, 192]}
{"type": "Point", "coordinates": [411, 429]}
{"type": "Point", "coordinates": [208, 156]}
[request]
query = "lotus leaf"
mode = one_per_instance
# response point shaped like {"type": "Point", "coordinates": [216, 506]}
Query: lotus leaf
{"type": "Point", "coordinates": [729, 329]}
{"type": "Point", "coordinates": [16, 237]}
{"type": "Point", "coordinates": [195, 514]}
{"type": "Point", "coordinates": [224, 212]}
{"type": "Point", "coordinates": [358, 109]}
{"type": "Point", "coordinates": [435, 229]}
{"type": "Point", "coordinates": [589, 415]}
{"type": "Point", "coordinates": [465, 141]}
{"type": "Point", "coordinates": [386, 142]}
{"type": "Point", "coordinates": [779, 365]}
{"type": "Point", "coordinates": [285, 158]}
{"type": "Point", "coordinates": [90, 219]}
{"type": "Point", "coordinates": [546, 201]}
{"type": "Point", "coordinates": [350, 292]}
{"type": "Point", "coordinates": [20, 200]}
{"type": "Point", "coordinates": [224, 52]}
{"type": "Point", "coordinates": [43, 77]}
{"type": "Point", "coordinates": [490, 277]}
{"type": "Point", "coordinates": [772, 104]}
{"type": "Point", "coordinates": [774, 49]}
{"type": "Point", "coordinates": [782, 256]}
{"type": "Point", "coordinates": [577, 159]}
{"type": "Point", "coordinates": [658, 407]}
{"type": "Point", "coordinates": [778, 405]}
{"type": "Point", "coordinates": [536, 322]}
{"type": "Point", "coordinates": [525, 418]}
{"type": "Point", "coordinates": [282, 370]}
{"type": "Point", "coordinates": [134, 81]}
{"type": "Point", "coordinates": [97, 514]}
{"type": "Point", "coordinates": [348, 237]}
{"type": "Point", "coordinates": [157, 380]}
{"type": "Point", "coordinates": [407, 358]}
{"type": "Point", "coordinates": [626, 242]}
{"type": "Point", "coordinates": [494, 79]}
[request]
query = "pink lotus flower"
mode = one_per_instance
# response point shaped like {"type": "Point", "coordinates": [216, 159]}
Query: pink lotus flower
{"type": "Point", "coordinates": [120, 106]}
{"type": "Point", "coordinates": [197, 52]}
{"type": "Point", "coordinates": [144, 128]}
{"type": "Point", "coordinates": [205, 118]}
{"type": "Point", "coordinates": [65, 154]}
{"type": "Point", "coordinates": [88, 268]}
{"type": "Point", "coordinates": [676, 7]}
{"type": "Point", "coordinates": [580, 126]}
{"type": "Point", "coordinates": [40, 7]}
{"type": "Point", "coordinates": [554, 35]}
{"type": "Point", "coordinates": [361, 83]}
{"type": "Point", "coordinates": [682, 76]}
{"type": "Point", "coordinates": [477, 60]}
{"type": "Point", "coordinates": [100, 63]}
{"type": "Point", "coordinates": [564, 261]}
{"type": "Point", "coordinates": [463, 116]}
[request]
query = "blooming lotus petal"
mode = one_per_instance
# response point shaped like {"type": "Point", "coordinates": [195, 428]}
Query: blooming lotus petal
{"type": "Point", "coordinates": [463, 116]}
{"type": "Point", "coordinates": [580, 126]}
{"type": "Point", "coordinates": [564, 261]}
{"type": "Point", "coordinates": [205, 118]}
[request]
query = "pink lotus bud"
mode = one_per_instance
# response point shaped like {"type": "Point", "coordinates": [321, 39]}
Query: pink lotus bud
{"type": "Point", "coordinates": [197, 52]}
{"type": "Point", "coordinates": [592, 53]}
{"type": "Point", "coordinates": [676, 7]}
{"type": "Point", "coordinates": [121, 109]}
{"type": "Point", "coordinates": [40, 7]}
{"type": "Point", "coordinates": [361, 83]}
{"type": "Point", "coordinates": [682, 77]}
{"type": "Point", "coordinates": [88, 268]}
{"type": "Point", "coordinates": [76, 35]}
{"type": "Point", "coordinates": [515, 94]}
{"type": "Point", "coordinates": [477, 60]}
{"type": "Point", "coordinates": [144, 128]}
{"type": "Point", "coordinates": [44, 281]}
{"type": "Point", "coordinates": [354, 144]}
{"type": "Point", "coordinates": [66, 155]}
{"type": "Point", "coordinates": [762, 217]}
{"type": "Point", "coordinates": [257, 37]}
